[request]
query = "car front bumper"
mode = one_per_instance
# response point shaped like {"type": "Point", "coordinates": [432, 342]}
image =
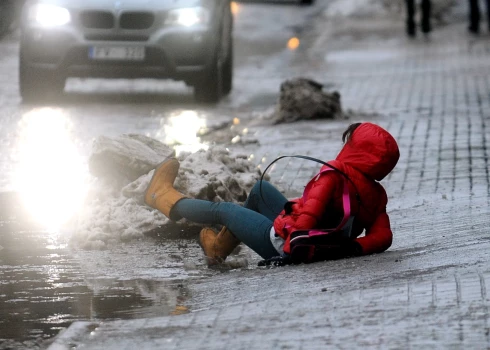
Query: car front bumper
{"type": "Point", "coordinates": [176, 53]}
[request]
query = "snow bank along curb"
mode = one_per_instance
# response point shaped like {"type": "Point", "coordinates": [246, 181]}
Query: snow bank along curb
{"type": "Point", "coordinates": [115, 210]}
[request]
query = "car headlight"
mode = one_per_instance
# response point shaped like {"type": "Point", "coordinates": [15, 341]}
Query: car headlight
{"type": "Point", "coordinates": [188, 17]}
{"type": "Point", "coordinates": [49, 15]}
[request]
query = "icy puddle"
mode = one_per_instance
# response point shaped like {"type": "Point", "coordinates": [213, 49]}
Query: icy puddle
{"type": "Point", "coordinates": [45, 286]}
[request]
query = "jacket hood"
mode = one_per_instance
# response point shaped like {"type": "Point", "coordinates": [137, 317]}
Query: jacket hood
{"type": "Point", "coordinates": [371, 150]}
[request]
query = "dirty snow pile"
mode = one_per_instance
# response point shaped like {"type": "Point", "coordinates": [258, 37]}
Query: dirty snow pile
{"type": "Point", "coordinates": [304, 99]}
{"type": "Point", "coordinates": [123, 166]}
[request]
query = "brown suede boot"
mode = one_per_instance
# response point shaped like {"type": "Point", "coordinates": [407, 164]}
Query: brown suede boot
{"type": "Point", "coordinates": [160, 193]}
{"type": "Point", "coordinates": [217, 246]}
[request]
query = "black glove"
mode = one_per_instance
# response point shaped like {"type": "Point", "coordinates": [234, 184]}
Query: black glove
{"type": "Point", "coordinates": [288, 207]}
{"type": "Point", "coordinates": [276, 261]}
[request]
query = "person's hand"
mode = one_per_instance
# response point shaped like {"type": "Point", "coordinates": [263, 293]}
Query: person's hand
{"type": "Point", "coordinates": [288, 207]}
{"type": "Point", "coordinates": [276, 261]}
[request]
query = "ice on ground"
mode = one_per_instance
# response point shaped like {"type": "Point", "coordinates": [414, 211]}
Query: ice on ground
{"type": "Point", "coordinates": [115, 211]}
{"type": "Point", "coordinates": [381, 8]}
{"type": "Point", "coordinates": [354, 8]}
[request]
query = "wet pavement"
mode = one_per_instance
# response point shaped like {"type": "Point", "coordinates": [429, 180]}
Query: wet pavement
{"type": "Point", "coordinates": [429, 290]}
{"type": "Point", "coordinates": [46, 283]}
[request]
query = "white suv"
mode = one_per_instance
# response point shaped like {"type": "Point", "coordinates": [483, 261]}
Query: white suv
{"type": "Point", "coordinates": [187, 40]}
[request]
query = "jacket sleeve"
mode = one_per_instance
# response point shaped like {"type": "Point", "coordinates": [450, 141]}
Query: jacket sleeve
{"type": "Point", "coordinates": [378, 237]}
{"type": "Point", "coordinates": [307, 213]}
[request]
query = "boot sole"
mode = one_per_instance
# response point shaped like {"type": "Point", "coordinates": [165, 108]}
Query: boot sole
{"type": "Point", "coordinates": [156, 173]}
{"type": "Point", "coordinates": [209, 260]}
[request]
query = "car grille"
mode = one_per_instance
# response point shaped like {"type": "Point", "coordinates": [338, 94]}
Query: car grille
{"type": "Point", "coordinates": [136, 20]}
{"type": "Point", "coordinates": [107, 20]}
{"type": "Point", "coordinates": [97, 19]}
{"type": "Point", "coordinates": [116, 37]}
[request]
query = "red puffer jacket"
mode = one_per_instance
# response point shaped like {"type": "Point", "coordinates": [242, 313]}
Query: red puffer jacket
{"type": "Point", "coordinates": [369, 155]}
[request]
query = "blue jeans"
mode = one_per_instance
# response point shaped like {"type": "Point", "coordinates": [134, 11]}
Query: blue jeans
{"type": "Point", "coordinates": [251, 223]}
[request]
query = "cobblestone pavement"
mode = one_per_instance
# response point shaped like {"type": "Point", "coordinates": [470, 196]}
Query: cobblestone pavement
{"type": "Point", "coordinates": [431, 289]}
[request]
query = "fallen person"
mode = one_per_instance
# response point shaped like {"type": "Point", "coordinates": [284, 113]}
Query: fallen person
{"type": "Point", "coordinates": [341, 202]}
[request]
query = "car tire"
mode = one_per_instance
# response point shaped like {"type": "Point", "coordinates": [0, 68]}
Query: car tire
{"type": "Point", "coordinates": [210, 88]}
{"type": "Point", "coordinates": [36, 85]}
{"type": "Point", "coordinates": [7, 14]}
{"type": "Point", "coordinates": [218, 80]}
{"type": "Point", "coordinates": [228, 70]}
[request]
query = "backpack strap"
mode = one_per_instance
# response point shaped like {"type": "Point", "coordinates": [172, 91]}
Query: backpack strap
{"type": "Point", "coordinates": [330, 167]}
{"type": "Point", "coordinates": [345, 203]}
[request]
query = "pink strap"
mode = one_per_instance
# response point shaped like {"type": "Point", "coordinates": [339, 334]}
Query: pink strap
{"type": "Point", "coordinates": [345, 200]}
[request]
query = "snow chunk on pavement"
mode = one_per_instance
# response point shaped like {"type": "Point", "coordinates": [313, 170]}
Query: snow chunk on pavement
{"type": "Point", "coordinates": [126, 157]}
{"type": "Point", "coordinates": [115, 210]}
{"type": "Point", "coordinates": [302, 98]}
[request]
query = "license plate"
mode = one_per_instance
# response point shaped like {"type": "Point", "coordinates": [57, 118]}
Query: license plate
{"type": "Point", "coordinates": [117, 53]}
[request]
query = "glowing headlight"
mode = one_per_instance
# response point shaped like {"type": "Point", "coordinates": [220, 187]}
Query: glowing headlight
{"type": "Point", "coordinates": [188, 17]}
{"type": "Point", "coordinates": [49, 15]}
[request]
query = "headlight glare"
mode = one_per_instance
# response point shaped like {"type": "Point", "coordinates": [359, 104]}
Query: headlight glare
{"type": "Point", "coordinates": [188, 17]}
{"type": "Point", "coordinates": [49, 15]}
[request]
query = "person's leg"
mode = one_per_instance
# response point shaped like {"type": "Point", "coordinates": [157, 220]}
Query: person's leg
{"type": "Point", "coordinates": [488, 14]}
{"type": "Point", "coordinates": [410, 5]}
{"type": "Point", "coordinates": [426, 8]}
{"type": "Point", "coordinates": [265, 199]}
{"type": "Point", "coordinates": [248, 226]}
{"type": "Point", "coordinates": [474, 16]}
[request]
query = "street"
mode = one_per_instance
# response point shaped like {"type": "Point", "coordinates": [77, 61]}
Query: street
{"type": "Point", "coordinates": [45, 150]}
{"type": "Point", "coordinates": [428, 291]}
